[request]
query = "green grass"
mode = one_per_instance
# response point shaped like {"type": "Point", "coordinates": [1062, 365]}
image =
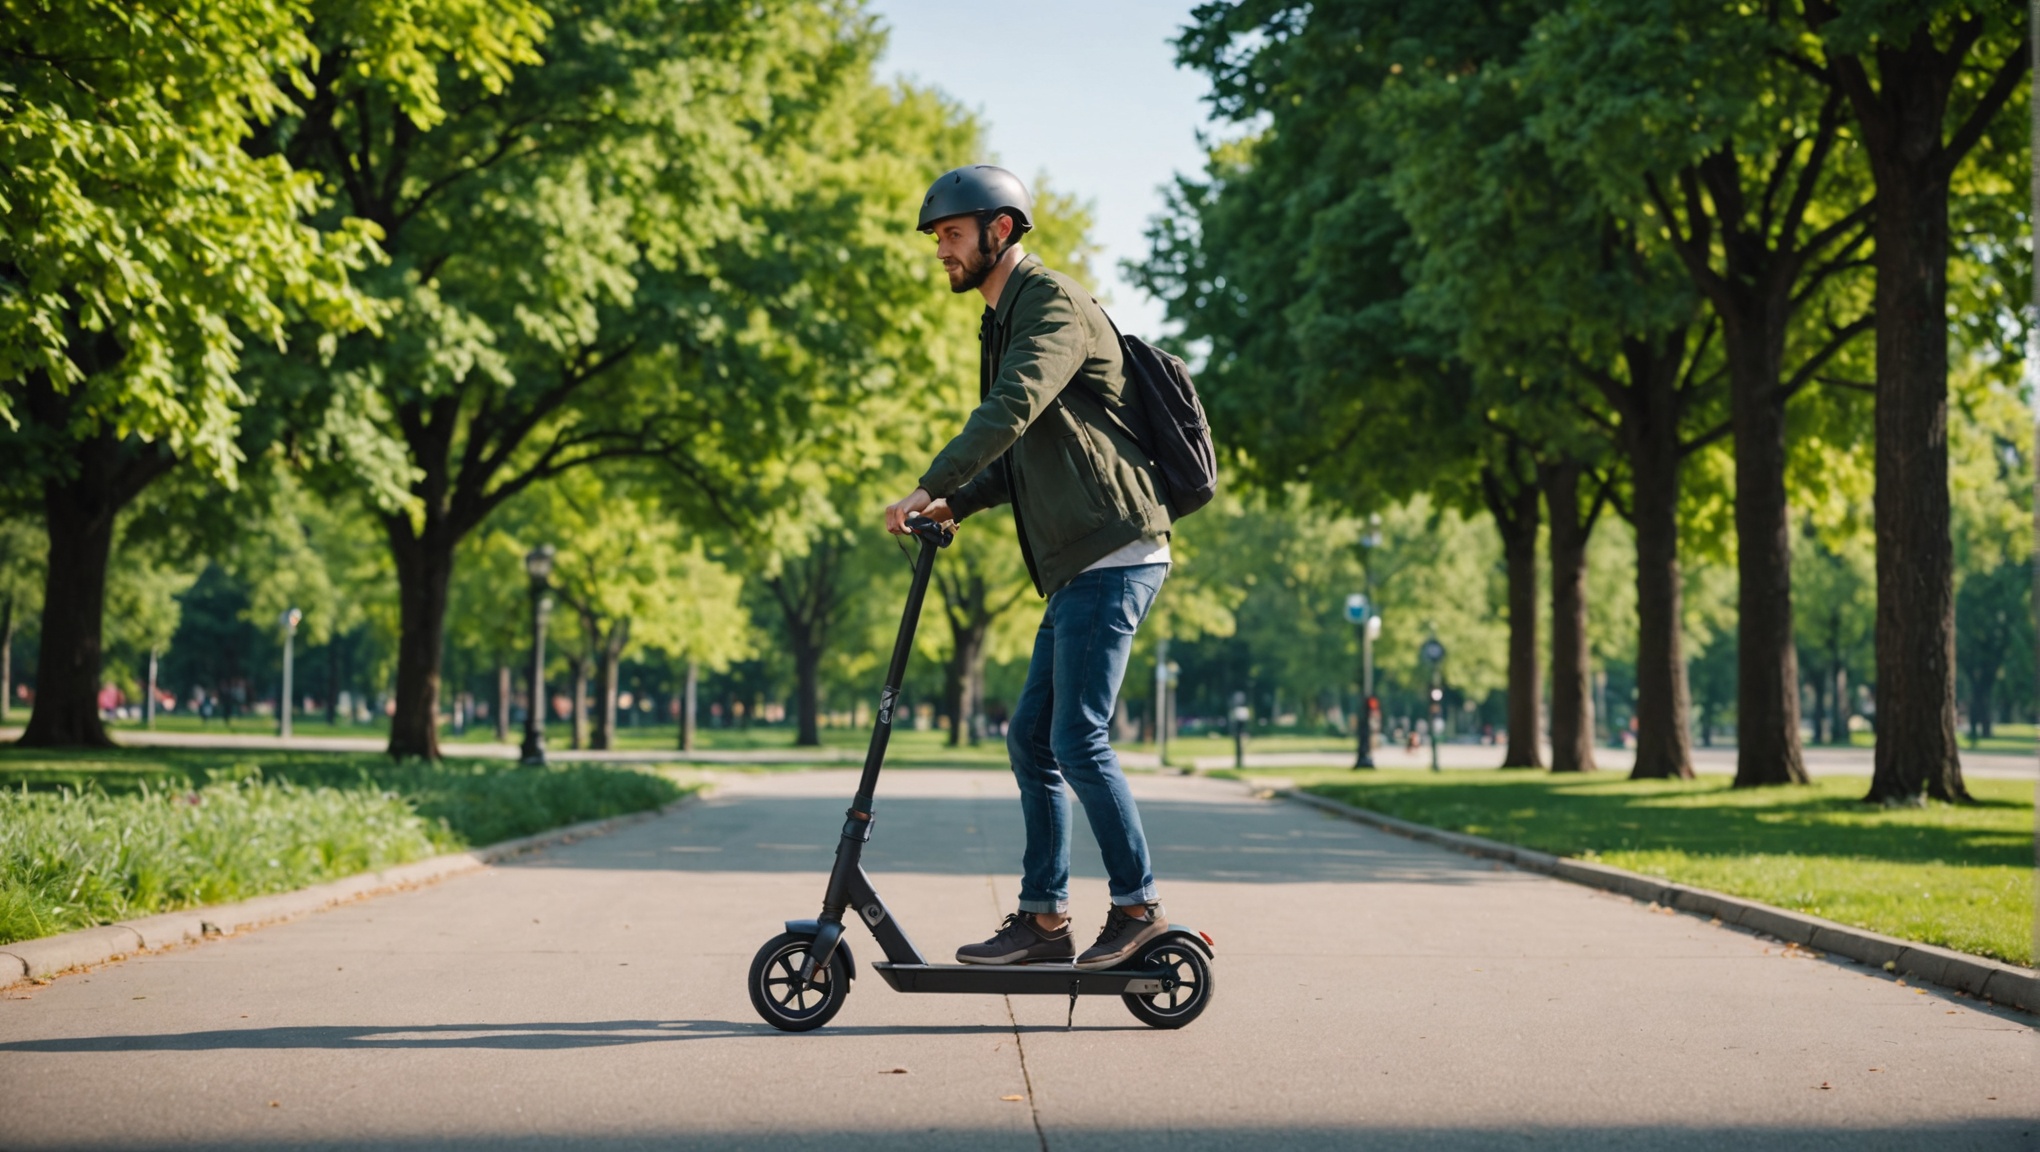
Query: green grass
{"type": "Point", "coordinates": [1960, 876]}
{"type": "Point", "coordinates": [2005, 740]}
{"type": "Point", "coordinates": [92, 837]}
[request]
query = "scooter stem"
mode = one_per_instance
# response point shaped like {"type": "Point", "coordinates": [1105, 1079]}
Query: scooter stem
{"type": "Point", "coordinates": [932, 537]}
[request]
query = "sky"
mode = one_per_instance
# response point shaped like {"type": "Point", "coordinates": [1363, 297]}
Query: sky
{"type": "Point", "coordinates": [1086, 92]}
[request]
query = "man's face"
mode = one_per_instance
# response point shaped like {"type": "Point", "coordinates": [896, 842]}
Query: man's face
{"type": "Point", "coordinates": [956, 245]}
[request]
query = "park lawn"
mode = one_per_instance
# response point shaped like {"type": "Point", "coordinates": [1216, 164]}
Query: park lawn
{"type": "Point", "coordinates": [93, 837]}
{"type": "Point", "coordinates": [1960, 876]}
{"type": "Point", "coordinates": [2006, 740]}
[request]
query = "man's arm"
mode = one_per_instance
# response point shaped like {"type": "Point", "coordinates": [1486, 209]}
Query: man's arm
{"type": "Point", "coordinates": [1049, 345]}
{"type": "Point", "coordinates": [985, 490]}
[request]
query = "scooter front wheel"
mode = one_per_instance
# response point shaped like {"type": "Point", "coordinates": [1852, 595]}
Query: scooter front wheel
{"type": "Point", "coordinates": [787, 1002]}
{"type": "Point", "coordinates": [1187, 999]}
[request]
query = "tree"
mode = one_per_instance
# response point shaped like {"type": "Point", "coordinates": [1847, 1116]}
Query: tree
{"type": "Point", "coordinates": [1289, 259]}
{"type": "Point", "coordinates": [632, 578]}
{"type": "Point", "coordinates": [1748, 177]}
{"type": "Point", "coordinates": [146, 241]}
{"type": "Point", "coordinates": [589, 266]}
{"type": "Point", "coordinates": [1926, 84]}
{"type": "Point", "coordinates": [22, 548]}
{"type": "Point", "coordinates": [1835, 617]}
{"type": "Point", "coordinates": [980, 583]}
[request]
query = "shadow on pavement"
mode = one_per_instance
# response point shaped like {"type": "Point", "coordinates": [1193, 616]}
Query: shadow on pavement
{"type": "Point", "coordinates": [1243, 842]}
{"type": "Point", "coordinates": [551, 1036]}
{"type": "Point", "coordinates": [851, 1133]}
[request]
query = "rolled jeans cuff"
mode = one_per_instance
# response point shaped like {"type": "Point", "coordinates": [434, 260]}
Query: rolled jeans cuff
{"type": "Point", "coordinates": [1045, 907]}
{"type": "Point", "coordinates": [1147, 895]}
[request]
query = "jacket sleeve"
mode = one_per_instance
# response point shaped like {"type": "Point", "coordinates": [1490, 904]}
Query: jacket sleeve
{"type": "Point", "coordinates": [1049, 345]}
{"type": "Point", "coordinates": [985, 490]}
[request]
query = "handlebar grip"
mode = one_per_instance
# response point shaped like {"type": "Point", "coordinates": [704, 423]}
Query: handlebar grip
{"type": "Point", "coordinates": [930, 531]}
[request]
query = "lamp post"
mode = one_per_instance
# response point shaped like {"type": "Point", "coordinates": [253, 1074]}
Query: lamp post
{"type": "Point", "coordinates": [538, 565]}
{"type": "Point", "coordinates": [1434, 655]}
{"type": "Point", "coordinates": [1368, 620]}
{"type": "Point", "coordinates": [288, 622]}
{"type": "Point", "coordinates": [1360, 610]}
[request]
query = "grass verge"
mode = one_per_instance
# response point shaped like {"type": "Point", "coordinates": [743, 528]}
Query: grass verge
{"type": "Point", "coordinates": [1960, 876]}
{"type": "Point", "coordinates": [90, 838]}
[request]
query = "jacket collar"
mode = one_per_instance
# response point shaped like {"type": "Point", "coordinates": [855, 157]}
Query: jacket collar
{"type": "Point", "coordinates": [1028, 266]}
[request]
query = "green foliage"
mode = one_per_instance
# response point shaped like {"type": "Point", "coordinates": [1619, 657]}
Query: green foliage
{"type": "Point", "coordinates": [92, 839]}
{"type": "Point", "coordinates": [1957, 876]}
{"type": "Point", "coordinates": [145, 240]}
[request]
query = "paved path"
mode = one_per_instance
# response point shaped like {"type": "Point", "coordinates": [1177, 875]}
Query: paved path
{"type": "Point", "coordinates": [1371, 992]}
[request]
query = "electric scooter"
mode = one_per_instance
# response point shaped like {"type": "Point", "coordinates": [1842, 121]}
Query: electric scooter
{"type": "Point", "coordinates": [800, 978]}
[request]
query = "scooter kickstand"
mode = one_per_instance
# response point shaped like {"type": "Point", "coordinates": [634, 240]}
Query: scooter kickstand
{"type": "Point", "coordinates": [1075, 987]}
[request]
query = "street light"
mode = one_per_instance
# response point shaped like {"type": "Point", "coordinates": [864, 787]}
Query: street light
{"type": "Point", "coordinates": [1368, 619]}
{"type": "Point", "coordinates": [288, 622]}
{"type": "Point", "coordinates": [538, 565]}
{"type": "Point", "coordinates": [1361, 612]}
{"type": "Point", "coordinates": [1434, 655]}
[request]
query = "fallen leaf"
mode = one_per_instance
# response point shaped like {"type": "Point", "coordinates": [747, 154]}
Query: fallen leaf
{"type": "Point", "coordinates": [894, 1072]}
{"type": "Point", "coordinates": [1013, 1099]}
{"type": "Point", "coordinates": [275, 1104]}
{"type": "Point", "coordinates": [1825, 1086]}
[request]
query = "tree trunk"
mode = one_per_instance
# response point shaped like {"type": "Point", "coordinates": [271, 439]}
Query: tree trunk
{"type": "Point", "coordinates": [1767, 662]}
{"type": "Point", "coordinates": [1572, 698]}
{"type": "Point", "coordinates": [1902, 119]}
{"type": "Point", "coordinates": [690, 694]}
{"type": "Point", "coordinates": [579, 739]}
{"type": "Point", "coordinates": [502, 716]}
{"type": "Point", "coordinates": [958, 680]}
{"type": "Point", "coordinates": [975, 694]}
{"type": "Point", "coordinates": [611, 656]}
{"type": "Point", "coordinates": [1916, 742]}
{"type": "Point", "coordinates": [1664, 748]}
{"type": "Point", "coordinates": [66, 713]}
{"type": "Point", "coordinates": [424, 564]}
{"type": "Point", "coordinates": [807, 671]}
{"type": "Point", "coordinates": [6, 658]}
{"type": "Point", "coordinates": [1839, 678]}
{"type": "Point", "coordinates": [1513, 505]}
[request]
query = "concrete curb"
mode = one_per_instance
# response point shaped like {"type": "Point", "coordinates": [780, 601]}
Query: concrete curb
{"type": "Point", "coordinates": [1984, 979]}
{"type": "Point", "coordinates": [54, 955]}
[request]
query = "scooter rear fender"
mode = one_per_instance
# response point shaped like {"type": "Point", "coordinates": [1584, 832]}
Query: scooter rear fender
{"type": "Point", "coordinates": [813, 928]}
{"type": "Point", "coordinates": [1181, 932]}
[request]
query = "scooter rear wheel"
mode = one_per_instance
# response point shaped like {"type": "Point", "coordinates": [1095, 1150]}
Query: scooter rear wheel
{"type": "Point", "coordinates": [782, 998]}
{"type": "Point", "coordinates": [1181, 1004]}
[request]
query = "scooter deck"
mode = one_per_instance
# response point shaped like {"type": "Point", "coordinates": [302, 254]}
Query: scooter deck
{"type": "Point", "coordinates": [1025, 979]}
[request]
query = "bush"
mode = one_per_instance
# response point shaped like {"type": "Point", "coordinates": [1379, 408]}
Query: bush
{"type": "Point", "coordinates": [91, 842]}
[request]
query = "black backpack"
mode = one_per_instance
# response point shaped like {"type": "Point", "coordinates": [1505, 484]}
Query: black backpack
{"type": "Point", "coordinates": [1173, 430]}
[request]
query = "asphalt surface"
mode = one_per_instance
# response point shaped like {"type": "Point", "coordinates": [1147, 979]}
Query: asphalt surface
{"type": "Point", "coordinates": [1369, 992]}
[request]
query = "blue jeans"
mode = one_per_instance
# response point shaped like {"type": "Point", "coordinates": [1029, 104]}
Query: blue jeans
{"type": "Point", "coordinates": [1060, 731]}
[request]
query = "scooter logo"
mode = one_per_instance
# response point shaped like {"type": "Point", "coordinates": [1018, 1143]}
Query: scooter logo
{"type": "Point", "coordinates": [873, 913]}
{"type": "Point", "coordinates": [885, 703]}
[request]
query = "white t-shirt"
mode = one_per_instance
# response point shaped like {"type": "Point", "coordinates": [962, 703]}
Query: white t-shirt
{"type": "Point", "coordinates": [1146, 550]}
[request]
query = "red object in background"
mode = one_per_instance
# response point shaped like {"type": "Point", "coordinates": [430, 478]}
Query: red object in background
{"type": "Point", "coordinates": [1374, 705]}
{"type": "Point", "coordinates": [109, 698]}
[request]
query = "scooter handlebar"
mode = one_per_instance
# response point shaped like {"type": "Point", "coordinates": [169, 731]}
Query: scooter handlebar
{"type": "Point", "coordinates": [930, 531]}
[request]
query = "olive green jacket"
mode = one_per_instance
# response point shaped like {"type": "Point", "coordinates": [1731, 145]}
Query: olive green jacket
{"type": "Point", "coordinates": [1049, 364]}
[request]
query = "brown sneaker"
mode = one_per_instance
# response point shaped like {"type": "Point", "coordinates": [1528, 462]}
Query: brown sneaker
{"type": "Point", "coordinates": [1122, 936]}
{"type": "Point", "coordinates": [1021, 940]}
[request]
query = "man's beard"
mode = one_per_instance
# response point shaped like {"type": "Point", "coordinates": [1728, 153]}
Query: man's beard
{"type": "Point", "coordinates": [975, 272]}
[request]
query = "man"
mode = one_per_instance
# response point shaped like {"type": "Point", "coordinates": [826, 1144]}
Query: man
{"type": "Point", "coordinates": [1050, 436]}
